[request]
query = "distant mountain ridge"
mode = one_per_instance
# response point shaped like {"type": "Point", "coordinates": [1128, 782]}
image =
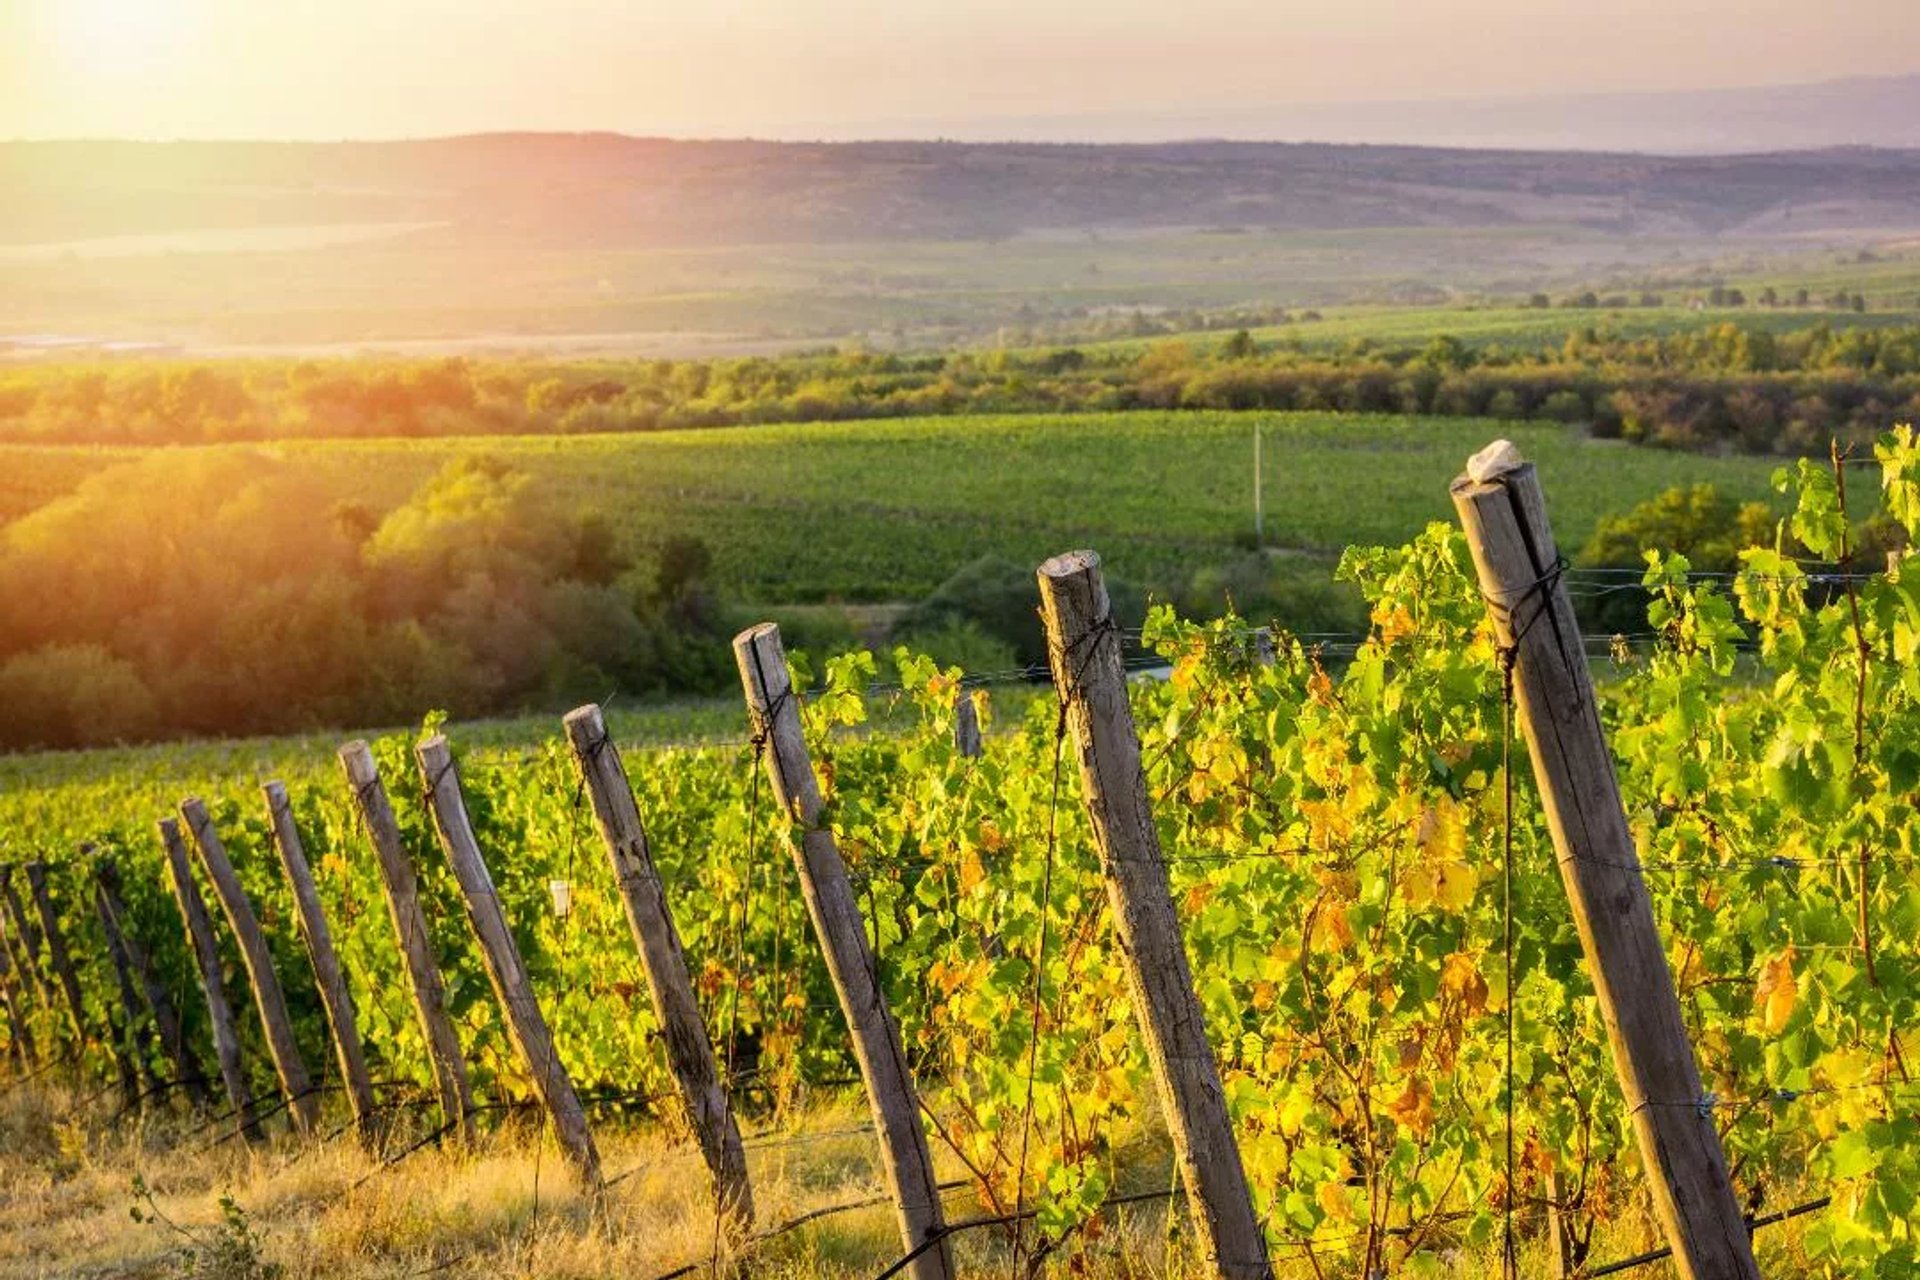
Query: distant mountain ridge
{"type": "Point", "coordinates": [1877, 111]}
{"type": "Point", "coordinates": [619, 191]}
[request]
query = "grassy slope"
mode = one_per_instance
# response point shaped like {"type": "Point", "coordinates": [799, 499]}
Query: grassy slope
{"type": "Point", "coordinates": [886, 510]}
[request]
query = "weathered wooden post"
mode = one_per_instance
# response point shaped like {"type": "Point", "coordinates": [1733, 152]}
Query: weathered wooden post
{"type": "Point", "coordinates": [19, 1034]}
{"type": "Point", "coordinates": [326, 964]}
{"type": "Point", "coordinates": [966, 725]}
{"type": "Point", "coordinates": [22, 936]}
{"type": "Point", "coordinates": [70, 983]}
{"type": "Point", "coordinates": [57, 954]}
{"type": "Point", "coordinates": [1083, 646]}
{"type": "Point", "coordinates": [448, 1062]}
{"type": "Point", "coordinates": [61, 959]}
{"type": "Point", "coordinates": [525, 1023]}
{"type": "Point", "coordinates": [138, 1039]}
{"type": "Point", "coordinates": [689, 1052]}
{"type": "Point", "coordinates": [1504, 514]}
{"type": "Point", "coordinates": [850, 962]}
{"type": "Point", "coordinates": [166, 1019]}
{"type": "Point", "coordinates": [206, 954]}
{"type": "Point", "coordinates": [303, 1103]}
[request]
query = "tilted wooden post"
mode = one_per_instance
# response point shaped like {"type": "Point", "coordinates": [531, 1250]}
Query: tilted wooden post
{"type": "Point", "coordinates": [61, 958]}
{"type": "Point", "coordinates": [402, 892]}
{"type": "Point", "coordinates": [689, 1052]}
{"type": "Point", "coordinates": [19, 1035]}
{"type": "Point", "coordinates": [138, 1040]}
{"type": "Point", "coordinates": [1083, 647]}
{"type": "Point", "coordinates": [303, 1104]}
{"type": "Point", "coordinates": [326, 964]}
{"type": "Point", "coordinates": [525, 1023]}
{"type": "Point", "coordinates": [57, 954]}
{"type": "Point", "coordinates": [1504, 514]}
{"type": "Point", "coordinates": [206, 954]}
{"type": "Point", "coordinates": [166, 1019]}
{"type": "Point", "coordinates": [850, 962]}
{"type": "Point", "coordinates": [23, 939]}
{"type": "Point", "coordinates": [966, 725]}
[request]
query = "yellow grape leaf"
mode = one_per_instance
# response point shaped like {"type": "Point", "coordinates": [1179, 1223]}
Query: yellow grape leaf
{"type": "Point", "coordinates": [1843, 1068]}
{"type": "Point", "coordinates": [1294, 1111]}
{"type": "Point", "coordinates": [1328, 825]}
{"type": "Point", "coordinates": [1775, 993]}
{"type": "Point", "coordinates": [1414, 1107]}
{"type": "Point", "coordinates": [972, 871]}
{"type": "Point", "coordinates": [1331, 932]}
{"type": "Point", "coordinates": [1416, 886]}
{"type": "Point", "coordinates": [1454, 884]}
{"type": "Point", "coordinates": [1392, 622]}
{"type": "Point", "coordinates": [1461, 978]}
{"type": "Point", "coordinates": [1441, 833]}
{"type": "Point", "coordinates": [1334, 1201]}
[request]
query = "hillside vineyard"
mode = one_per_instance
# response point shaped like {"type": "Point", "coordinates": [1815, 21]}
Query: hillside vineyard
{"type": "Point", "coordinates": [1481, 936]}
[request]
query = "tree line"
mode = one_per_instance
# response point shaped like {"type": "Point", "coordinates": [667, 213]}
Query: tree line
{"type": "Point", "coordinates": [1720, 386]}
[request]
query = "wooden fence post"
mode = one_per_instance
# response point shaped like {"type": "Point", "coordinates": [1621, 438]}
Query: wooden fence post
{"type": "Point", "coordinates": [206, 954]}
{"type": "Point", "coordinates": [402, 888]}
{"type": "Point", "coordinates": [303, 1104]}
{"type": "Point", "coordinates": [138, 1038]}
{"type": "Point", "coordinates": [689, 1052]}
{"type": "Point", "coordinates": [19, 1035]}
{"type": "Point", "coordinates": [166, 1019]}
{"type": "Point", "coordinates": [326, 964]}
{"type": "Point", "coordinates": [24, 933]}
{"type": "Point", "coordinates": [69, 979]}
{"type": "Point", "coordinates": [966, 725]}
{"type": "Point", "coordinates": [850, 961]}
{"type": "Point", "coordinates": [57, 954]}
{"type": "Point", "coordinates": [1504, 514]}
{"type": "Point", "coordinates": [525, 1023]}
{"type": "Point", "coordinates": [1083, 647]}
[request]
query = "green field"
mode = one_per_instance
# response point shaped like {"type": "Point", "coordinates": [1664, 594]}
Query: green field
{"type": "Point", "coordinates": [874, 511]}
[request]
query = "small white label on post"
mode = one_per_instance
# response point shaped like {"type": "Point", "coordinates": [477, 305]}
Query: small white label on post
{"type": "Point", "coordinates": [562, 892]}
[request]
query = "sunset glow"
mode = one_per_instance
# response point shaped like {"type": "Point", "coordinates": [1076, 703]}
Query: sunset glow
{"type": "Point", "coordinates": [839, 68]}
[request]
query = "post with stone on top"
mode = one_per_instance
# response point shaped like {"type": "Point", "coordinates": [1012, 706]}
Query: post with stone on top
{"type": "Point", "coordinates": [1504, 513]}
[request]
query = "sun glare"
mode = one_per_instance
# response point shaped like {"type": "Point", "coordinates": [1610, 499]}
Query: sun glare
{"type": "Point", "coordinates": [106, 37]}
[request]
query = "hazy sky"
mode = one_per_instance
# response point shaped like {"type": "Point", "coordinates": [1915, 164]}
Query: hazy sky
{"type": "Point", "coordinates": [389, 68]}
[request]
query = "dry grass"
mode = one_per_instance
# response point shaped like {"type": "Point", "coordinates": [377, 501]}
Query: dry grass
{"type": "Point", "coordinates": [509, 1208]}
{"type": "Point", "coordinates": [67, 1189]}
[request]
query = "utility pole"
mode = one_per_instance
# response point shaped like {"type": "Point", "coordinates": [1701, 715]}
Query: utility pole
{"type": "Point", "coordinates": [1259, 515]}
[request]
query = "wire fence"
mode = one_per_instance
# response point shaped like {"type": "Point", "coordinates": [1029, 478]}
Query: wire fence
{"type": "Point", "coordinates": [1790, 871]}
